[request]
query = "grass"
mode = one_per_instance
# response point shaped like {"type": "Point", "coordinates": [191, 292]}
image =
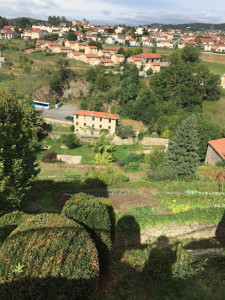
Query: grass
{"type": "Point", "coordinates": [177, 202]}
{"type": "Point", "coordinates": [216, 68]}
{"type": "Point", "coordinates": [212, 57]}
{"type": "Point", "coordinates": [84, 150]}
{"type": "Point", "coordinates": [214, 111]}
{"type": "Point", "coordinates": [145, 217]}
{"type": "Point", "coordinates": [127, 279]}
{"type": "Point", "coordinates": [182, 186]}
{"type": "Point", "coordinates": [121, 150]}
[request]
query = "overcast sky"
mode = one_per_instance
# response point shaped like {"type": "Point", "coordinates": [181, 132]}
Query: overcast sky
{"type": "Point", "coordinates": [129, 12]}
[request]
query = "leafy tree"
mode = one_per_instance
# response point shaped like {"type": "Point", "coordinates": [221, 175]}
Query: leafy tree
{"type": "Point", "coordinates": [121, 51]}
{"type": "Point", "coordinates": [70, 140]}
{"type": "Point", "coordinates": [125, 131]}
{"type": "Point", "coordinates": [3, 21]}
{"type": "Point", "coordinates": [95, 43]}
{"type": "Point", "coordinates": [50, 37]}
{"type": "Point", "coordinates": [104, 149]}
{"type": "Point", "coordinates": [190, 53]}
{"type": "Point", "coordinates": [53, 20]}
{"type": "Point", "coordinates": [71, 36]}
{"type": "Point", "coordinates": [61, 77]}
{"type": "Point", "coordinates": [186, 83]}
{"type": "Point", "coordinates": [18, 136]}
{"type": "Point", "coordinates": [207, 131]}
{"type": "Point", "coordinates": [156, 159]}
{"type": "Point", "coordinates": [182, 154]}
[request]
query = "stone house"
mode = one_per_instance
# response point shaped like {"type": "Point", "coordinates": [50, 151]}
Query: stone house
{"type": "Point", "coordinates": [91, 50]}
{"type": "Point", "coordinates": [117, 58]}
{"type": "Point", "coordinates": [89, 123]}
{"type": "Point", "coordinates": [106, 62]}
{"type": "Point", "coordinates": [215, 152]}
{"type": "Point", "coordinates": [75, 55]}
{"type": "Point", "coordinates": [104, 53]}
{"type": "Point", "coordinates": [90, 58]}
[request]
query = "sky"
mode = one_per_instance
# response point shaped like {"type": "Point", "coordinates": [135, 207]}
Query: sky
{"type": "Point", "coordinates": [129, 12]}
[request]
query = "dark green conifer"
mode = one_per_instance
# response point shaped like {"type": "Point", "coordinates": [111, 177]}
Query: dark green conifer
{"type": "Point", "coordinates": [182, 155]}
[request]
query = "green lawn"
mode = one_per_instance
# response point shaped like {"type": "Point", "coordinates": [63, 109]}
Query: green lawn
{"type": "Point", "coordinates": [84, 150]}
{"type": "Point", "coordinates": [214, 110]}
{"type": "Point", "coordinates": [215, 68]}
{"type": "Point", "coordinates": [121, 151]}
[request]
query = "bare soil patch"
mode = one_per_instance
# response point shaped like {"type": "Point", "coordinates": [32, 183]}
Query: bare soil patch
{"type": "Point", "coordinates": [211, 57]}
{"type": "Point", "coordinates": [119, 202]}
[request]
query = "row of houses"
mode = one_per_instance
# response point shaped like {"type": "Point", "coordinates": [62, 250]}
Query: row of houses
{"type": "Point", "coordinates": [107, 57]}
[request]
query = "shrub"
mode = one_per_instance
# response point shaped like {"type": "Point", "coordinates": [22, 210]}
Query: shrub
{"type": "Point", "coordinates": [50, 157]}
{"type": "Point", "coordinates": [9, 222]}
{"type": "Point", "coordinates": [70, 140]}
{"type": "Point", "coordinates": [221, 163]}
{"type": "Point", "coordinates": [132, 166]}
{"type": "Point", "coordinates": [125, 131]}
{"type": "Point", "coordinates": [131, 157]}
{"type": "Point", "coordinates": [156, 159]}
{"type": "Point", "coordinates": [48, 257]}
{"type": "Point", "coordinates": [169, 262]}
{"type": "Point", "coordinates": [94, 215]}
{"type": "Point", "coordinates": [161, 174]}
{"type": "Point", "coordinates": [108, 177]}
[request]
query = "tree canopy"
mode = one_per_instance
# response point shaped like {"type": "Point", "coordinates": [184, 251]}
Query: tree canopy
{"type": "Point", "coordinates": [18, 136]}
{"type": "Point", "coordinates": [186, 82]}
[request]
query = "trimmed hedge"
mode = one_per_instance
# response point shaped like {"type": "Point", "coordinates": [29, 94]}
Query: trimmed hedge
{"type": "Point", "coordinates": [48, 257]}
{"type": "Point", "coordinates": [94, 213]}
{"type": "Point", "coordinates": [9, 222]}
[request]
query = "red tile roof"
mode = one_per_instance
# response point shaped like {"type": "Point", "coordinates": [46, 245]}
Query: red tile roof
{"type": "Point", "coordinates": [91, 55]}
{"type": "Point", "coordinates": [219, 146]}
{"type": "Point", "coordinates": [106, 60]}
{"type": "Point", "coordinates": [96, 114]}
{"type": "Point", "coordinates": [148, 55]}
{"type": "Point", "coordinates": [78, 53]}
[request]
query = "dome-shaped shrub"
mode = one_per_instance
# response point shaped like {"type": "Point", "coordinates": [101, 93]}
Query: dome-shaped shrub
{"type": "Point", "coordinates": [48, 257]}
{"type": "Point", "coordinates": [10, 222]}
{"type": "Point", "coordinates": [94, 214]}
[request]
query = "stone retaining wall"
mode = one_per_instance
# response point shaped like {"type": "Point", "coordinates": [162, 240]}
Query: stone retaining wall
{"type": "Point", "coordinates": [193, 230]}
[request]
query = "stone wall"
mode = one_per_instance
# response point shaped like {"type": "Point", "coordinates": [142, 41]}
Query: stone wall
{"type": "Point", "coordinates": [212, 157]}
{"type": "Point", "coordinates": [193, 231]}
{"type": "Point", "coordinates": [147, 142]}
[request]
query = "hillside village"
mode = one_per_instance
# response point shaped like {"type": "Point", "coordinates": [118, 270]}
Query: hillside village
{"type": "Point", "coordinates": [115, 37]}
{"type": "Point", "coordinates": [112, 161]}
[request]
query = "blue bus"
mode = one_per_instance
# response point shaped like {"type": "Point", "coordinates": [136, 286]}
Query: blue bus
{"type": "Point", "coordinates": [40, 104]}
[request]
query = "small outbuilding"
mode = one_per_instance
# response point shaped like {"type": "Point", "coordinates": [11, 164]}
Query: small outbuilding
{"type": "Point", "coordinates": [215, 152]}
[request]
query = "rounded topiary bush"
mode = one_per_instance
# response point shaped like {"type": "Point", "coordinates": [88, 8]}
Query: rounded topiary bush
{"type": "Point", "coordinates": [95, 215]}
{"type": "Point", "coordinates": [10, 222]}
{"type": "Point", "coordinates": [48, 257]}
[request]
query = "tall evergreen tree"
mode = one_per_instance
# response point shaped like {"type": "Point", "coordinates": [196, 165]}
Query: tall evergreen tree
{"type": "Point", "coordinates": [182, 155]}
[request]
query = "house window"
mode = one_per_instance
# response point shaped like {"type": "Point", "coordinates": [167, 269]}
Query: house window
{"type": "Point", "coordinates": [100, 119]}
{"type": "Point", "coordinates": [76, 129]}
{"type": "Point", "coordinates": [93, 126]}
{"type": "Point", "coordinates": [109, 120]}
{"type": "Point", "coordinates": [92, 132]}
{"type": "Point", "coordinates": [84, 124]}
{"type": "Point", "coordinates": [93, 118]}
{"type": "Point", "coordinates": [77, 116]}
{"type": "Point", "coordinates": [76, 123]}
{"type": "Point", "coordinates": [100, 126]}
{"type": "Point", "coordinates": [109, 127]}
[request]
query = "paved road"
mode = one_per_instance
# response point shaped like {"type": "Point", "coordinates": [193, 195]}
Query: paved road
{"type": "Point", "coordinates": [62, 113]}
